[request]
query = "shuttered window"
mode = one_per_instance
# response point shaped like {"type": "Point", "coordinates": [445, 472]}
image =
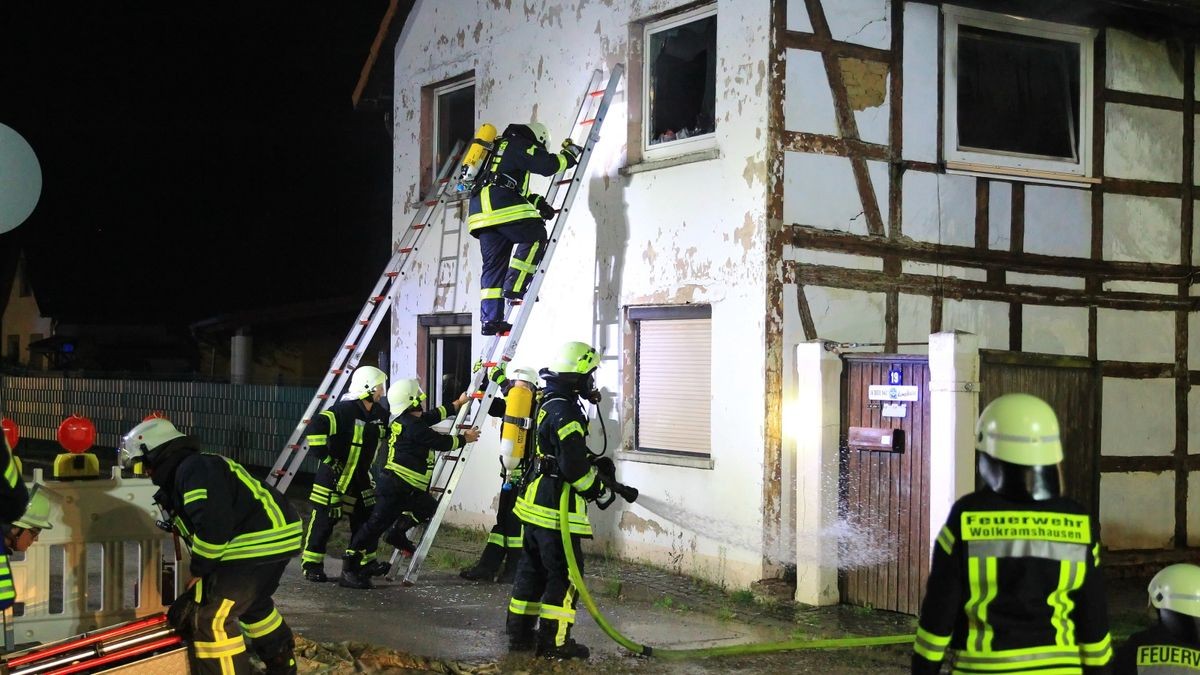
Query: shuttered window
{"type": "Point", "coordinates": [674, 380]}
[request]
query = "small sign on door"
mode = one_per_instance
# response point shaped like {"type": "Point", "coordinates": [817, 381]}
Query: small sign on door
{"type": "Point", "coordinates": [887, 392]}
{"type": "Point", "coordinates": [895, 409]}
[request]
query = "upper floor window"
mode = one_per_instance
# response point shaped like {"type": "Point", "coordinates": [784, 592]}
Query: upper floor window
{"type": "Point", "coordinates": [451, 118]}
{"type": "Point", "coordinates": [1018, 94]}
{"type": "Point", "coordinates": [679, 83]}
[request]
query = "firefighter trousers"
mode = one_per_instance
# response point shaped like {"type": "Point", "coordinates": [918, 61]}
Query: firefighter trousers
{"type": "Point", "coordinates": [226, 605]}
{"type": "Point", "coordinates": [394, 498]}
{"type": "Point", "coordinates": [506, 274]}
{"type": "Point", "coordinates": [506, 535]}
{"type": "Point", "coordinates": [542, 590]}
{"type": "Point", "coordinates": [328, 507]}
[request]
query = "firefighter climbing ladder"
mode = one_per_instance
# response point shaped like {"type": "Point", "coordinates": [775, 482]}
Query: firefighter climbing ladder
{"type": "Point", "coordinates": [589, 119]}
{"type": "Point", "coordinates": [369, 318]}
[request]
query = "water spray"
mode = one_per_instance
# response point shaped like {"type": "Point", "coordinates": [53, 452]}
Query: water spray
{"type": "Point", "coordinates": [679, 654]}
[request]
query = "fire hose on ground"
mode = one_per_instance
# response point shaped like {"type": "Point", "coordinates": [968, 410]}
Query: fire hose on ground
{"type": "Point", "coordinates": [673, 654]}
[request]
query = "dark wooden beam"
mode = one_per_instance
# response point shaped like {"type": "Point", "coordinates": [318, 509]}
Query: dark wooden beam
{"type": "Point", "coordinates": [1144, 188]}
{"type": "Point", "coordinates": [824, 144]}
{"type": "Point", "coordinates": [1143, 100]}
{"type": "Point", "coordinates": [826, 44]}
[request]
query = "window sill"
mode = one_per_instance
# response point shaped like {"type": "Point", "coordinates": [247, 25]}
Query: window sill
{"type": "Point", "coordinates": [645, 457]}
{"type": "Point", "coordinates": [451, 198]}
{"type": "Point", "coordinates": [1021, 175]}
{"type": "Point", "coordinates": [689, 158]}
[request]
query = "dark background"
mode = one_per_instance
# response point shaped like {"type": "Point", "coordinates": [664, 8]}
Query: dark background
{"type": "Point", "coordinates": [197, 158]}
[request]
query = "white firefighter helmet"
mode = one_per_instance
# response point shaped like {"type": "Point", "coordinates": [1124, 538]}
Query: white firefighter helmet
{"type": "Point", "coordinates": [1177, 588]}
{"type": "Point", "coordinates": [1019, 429]}
{"type": "Point", "coordinates": [37, 512]}
{"type": "Point", "coordinates": [404, 394]}
{"type": "Point", "coordinates": [144, 439]}
{"type": "Point", "coordinates": [523, 374]}
{"type": "Point", "coordinates": [364, 380]}
{"type": "Point", "coordinates": [540, 132]}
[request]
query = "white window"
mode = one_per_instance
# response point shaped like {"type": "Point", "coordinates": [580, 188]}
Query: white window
{"type": "Point", "coordinates": [673, 381]}
{"type": "Point", "coordinates": [453, 120]}
{"type": "Point", "coordinates": [447, 352]}
{"type": "Point", "coordinates": [679, 83]}
{"type": "Point", "coordinates": [1018, 95]}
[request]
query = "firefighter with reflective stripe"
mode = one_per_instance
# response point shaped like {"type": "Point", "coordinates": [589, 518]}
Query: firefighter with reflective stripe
{"type": "Point", "coordinates": [241, 534]}
{"type": "Point", "coordinates": [503, 213]}
{"type": "Point", "coordinates": [1173, 644]}
{"type": "Point", "coordinates": [403, 490]}
{"type": "Point", "coordinates": [543, 595]}
{"type": "Point", "coordinates": [345, 438]}
{"type": "Point", "coordinates": [506, 538]}
{"type": "Point", "coordinates": [14, 498]}
{"type": "Point", "coordinates": [1015, 584]}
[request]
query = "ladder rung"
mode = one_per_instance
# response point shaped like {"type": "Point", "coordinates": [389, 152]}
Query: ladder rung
{"type": "Point", "coordinates": [431, 202]}
{"type": "Point", "coordinates": [351, 347]}
{"type": "Point", "coordinates": [565, 181]}
{"type": "Point", "coordinates": [437, 489]}
{"type": "Point", "coordinates": [305, 423]}
{"type": "Point", "coordinates": [590, 121]}
{"type": "Point", "coordinates": [295, 446]}
{"type": "Point", "coordinates": [407, 249]}
{"type": "Point", "coordinates": [489, 364]}
{"type": "Point", "coordinates": [598, 92]}
{"type": "Point", "coordinates": [378, 298]}
{"type": "Point", "coordinates": [364, 322]}
{"type": "Point", "coordinates": [278, 473]}
{"type": "Point", "coordinates": [419, 227]}
{"type": "Point", "coordinates": [392, 275]}
{"type": "Point", "coordinates": [445, 180]}
{"type": "Point", "coordinates": [478, 394]}
{"type": "Point", "coordinates": [464, 426]}
{"type": "Point", "coordinates": [337, 371]}
{"type": "Point", "coordinates": [516, 301]}
{"type": "Point", "coordinates": [323, 396]}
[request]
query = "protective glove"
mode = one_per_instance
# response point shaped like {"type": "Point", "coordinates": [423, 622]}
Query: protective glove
{"type": "Point", "coordinates": [497, 374]}
{"type": "Point", "coordinates": [572, 151]}
{"type": "Point", "coordinates": [594, 397]}
{"type": "Point", "coordinates": [544, 209]}
{"type": "Point", "coordinates": [335, 506]}
{"type": "Point", "coordinates": [605, 467]}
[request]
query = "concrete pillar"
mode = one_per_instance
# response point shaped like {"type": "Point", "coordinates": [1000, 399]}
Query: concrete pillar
{"type": "Point", "coordinates": [954, 407]}
{"type": "Point", "coordinates": [239, 356]}
{"type": "Point", "coordinates": [816, 419]}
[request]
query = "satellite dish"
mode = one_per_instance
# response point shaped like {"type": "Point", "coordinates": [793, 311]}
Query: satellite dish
{"type": "Point", "coordinates": [20, 179]}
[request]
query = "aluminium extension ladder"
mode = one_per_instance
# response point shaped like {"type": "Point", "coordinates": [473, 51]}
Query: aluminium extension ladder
{"type": "Point", "coordinates": [369, 317]}
{"type": "Point", "coordinates": [501, 348]}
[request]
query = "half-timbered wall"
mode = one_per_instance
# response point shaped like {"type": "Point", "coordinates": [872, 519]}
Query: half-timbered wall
{"type": "Point", "coordinates": [691, 230]}
{"type": "Point", "coordinates": [882, 246]}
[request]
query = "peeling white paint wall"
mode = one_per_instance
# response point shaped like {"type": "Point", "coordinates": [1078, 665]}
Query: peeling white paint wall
{"type": "Point", "coordinates": [662, 236]}
{"type": "Point", "coordinates": [1137, 510]}
{"type": "Point", "coordinates": [1138, 417]}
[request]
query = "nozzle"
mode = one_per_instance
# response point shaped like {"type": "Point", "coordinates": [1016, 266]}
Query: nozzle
{"type": "Point", "coordinates": [629, 494]}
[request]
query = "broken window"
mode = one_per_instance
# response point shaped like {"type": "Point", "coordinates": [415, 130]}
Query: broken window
{"type": "Point", "coordinates": [680, 78]}
{"type": "Point", "coordinates": [673, 381]}
{"type": "Point", "coordinates": [454, 119]}
{"type": "Point", "coordinates": [1018, 93]}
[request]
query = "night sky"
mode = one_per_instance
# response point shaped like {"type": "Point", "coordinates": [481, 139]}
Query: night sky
{"type": "Point", "coordinates": [197, 157]}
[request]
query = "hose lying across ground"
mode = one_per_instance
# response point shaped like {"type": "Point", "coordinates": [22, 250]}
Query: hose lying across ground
{"type": "Point", "coordinates": [678, 654]}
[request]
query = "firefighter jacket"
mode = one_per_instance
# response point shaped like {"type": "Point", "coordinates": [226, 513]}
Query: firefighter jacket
{"type": "Point", "coordinates": [563, 459]}
{"type": "Point", "coordinates": [504, 196]}
{"type": "Point", "coordinates": [412, 444]}
{"type": "Point", "coordinates": [1014, 587]}
{"type": "Point", "coordinates": [14, 497]}
{"type": "Point", "coordinates": [1156, 650]}
{"type": "Point", "coordinates": [345, 437]}
{"type": "Point", "coordinates": [228, 517]}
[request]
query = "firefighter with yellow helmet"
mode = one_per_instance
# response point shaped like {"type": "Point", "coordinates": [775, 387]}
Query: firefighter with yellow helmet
{"type": "Point", "coordinates": [503, 213]}
{"type": "Point", "coordinates": [345, 438]}
{"type": "Point", "coordinates": [1015, 584]}
{"type": "Point", "coordinates": [1172, 645]}
{"type": "Point", "coordinates": [241, 534]}
{"type": "Point", "coordinates": [403, 489]}
{"type": "Point", "coordinates": [542, 608]}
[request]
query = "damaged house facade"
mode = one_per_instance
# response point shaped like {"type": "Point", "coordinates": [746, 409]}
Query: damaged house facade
{"type": "Point", "coordinates": [803, 191]}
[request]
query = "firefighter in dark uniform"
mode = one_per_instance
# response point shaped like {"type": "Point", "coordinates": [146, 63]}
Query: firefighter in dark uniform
{"type": "Point", "coordinates": [344, 438]}
{"type": "Point", "coordinates": [14, 498]}
{"type": "Point", "coordinates": [505, 541]}
{"type": "Point", "coordinates": [543, 595]}
{"type": "Point", "coordinates": [1015, 584]}
{"type": "Point", "coordinates": [403, 490]}
{"type": "Point", "coordinates": [502, 212]}
{"type": "Point", "coordinates": [241, 534]}
{"type": "Point", "coordinates": [1173, 644]}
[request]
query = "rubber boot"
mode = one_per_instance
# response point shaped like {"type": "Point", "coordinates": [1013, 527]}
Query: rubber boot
{"type": "Point", "coordinates": [520, 630]}
{"type": "Point", "coordinates": [376, 568]}
{"type": "Point", "coordinates": [353, 575]}
{"type": "Point", "coordinates": [282, 661]}
{"type": "Point", "coordinates": [509, 573]}
{"type": "Point", "coordinates": [315, 572]}
{"type": "Point", "coordinates": [488, 565]}
{"type": "Point", "coordinates": [546, 647]}
{"type": "Point", "coordinates": [398, 535]}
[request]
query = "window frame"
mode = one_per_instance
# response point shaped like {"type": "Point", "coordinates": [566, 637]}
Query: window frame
{"type": "Point", "coordinates": [433, 328]}
{"type": "Point", "coordinates": [437, 91]}
{"type": "Point", "coordinates": [660, 313]}
{"type": "Point", "coordinates": [675, 148]}
{"type": "Point", "coordinates": [1003, 162]}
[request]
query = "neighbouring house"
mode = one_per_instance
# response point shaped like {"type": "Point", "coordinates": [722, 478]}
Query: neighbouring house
{"type": "Point", "coordinates": [21, 321]}
{"type": "Point", "coordinates": [787, 200]}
